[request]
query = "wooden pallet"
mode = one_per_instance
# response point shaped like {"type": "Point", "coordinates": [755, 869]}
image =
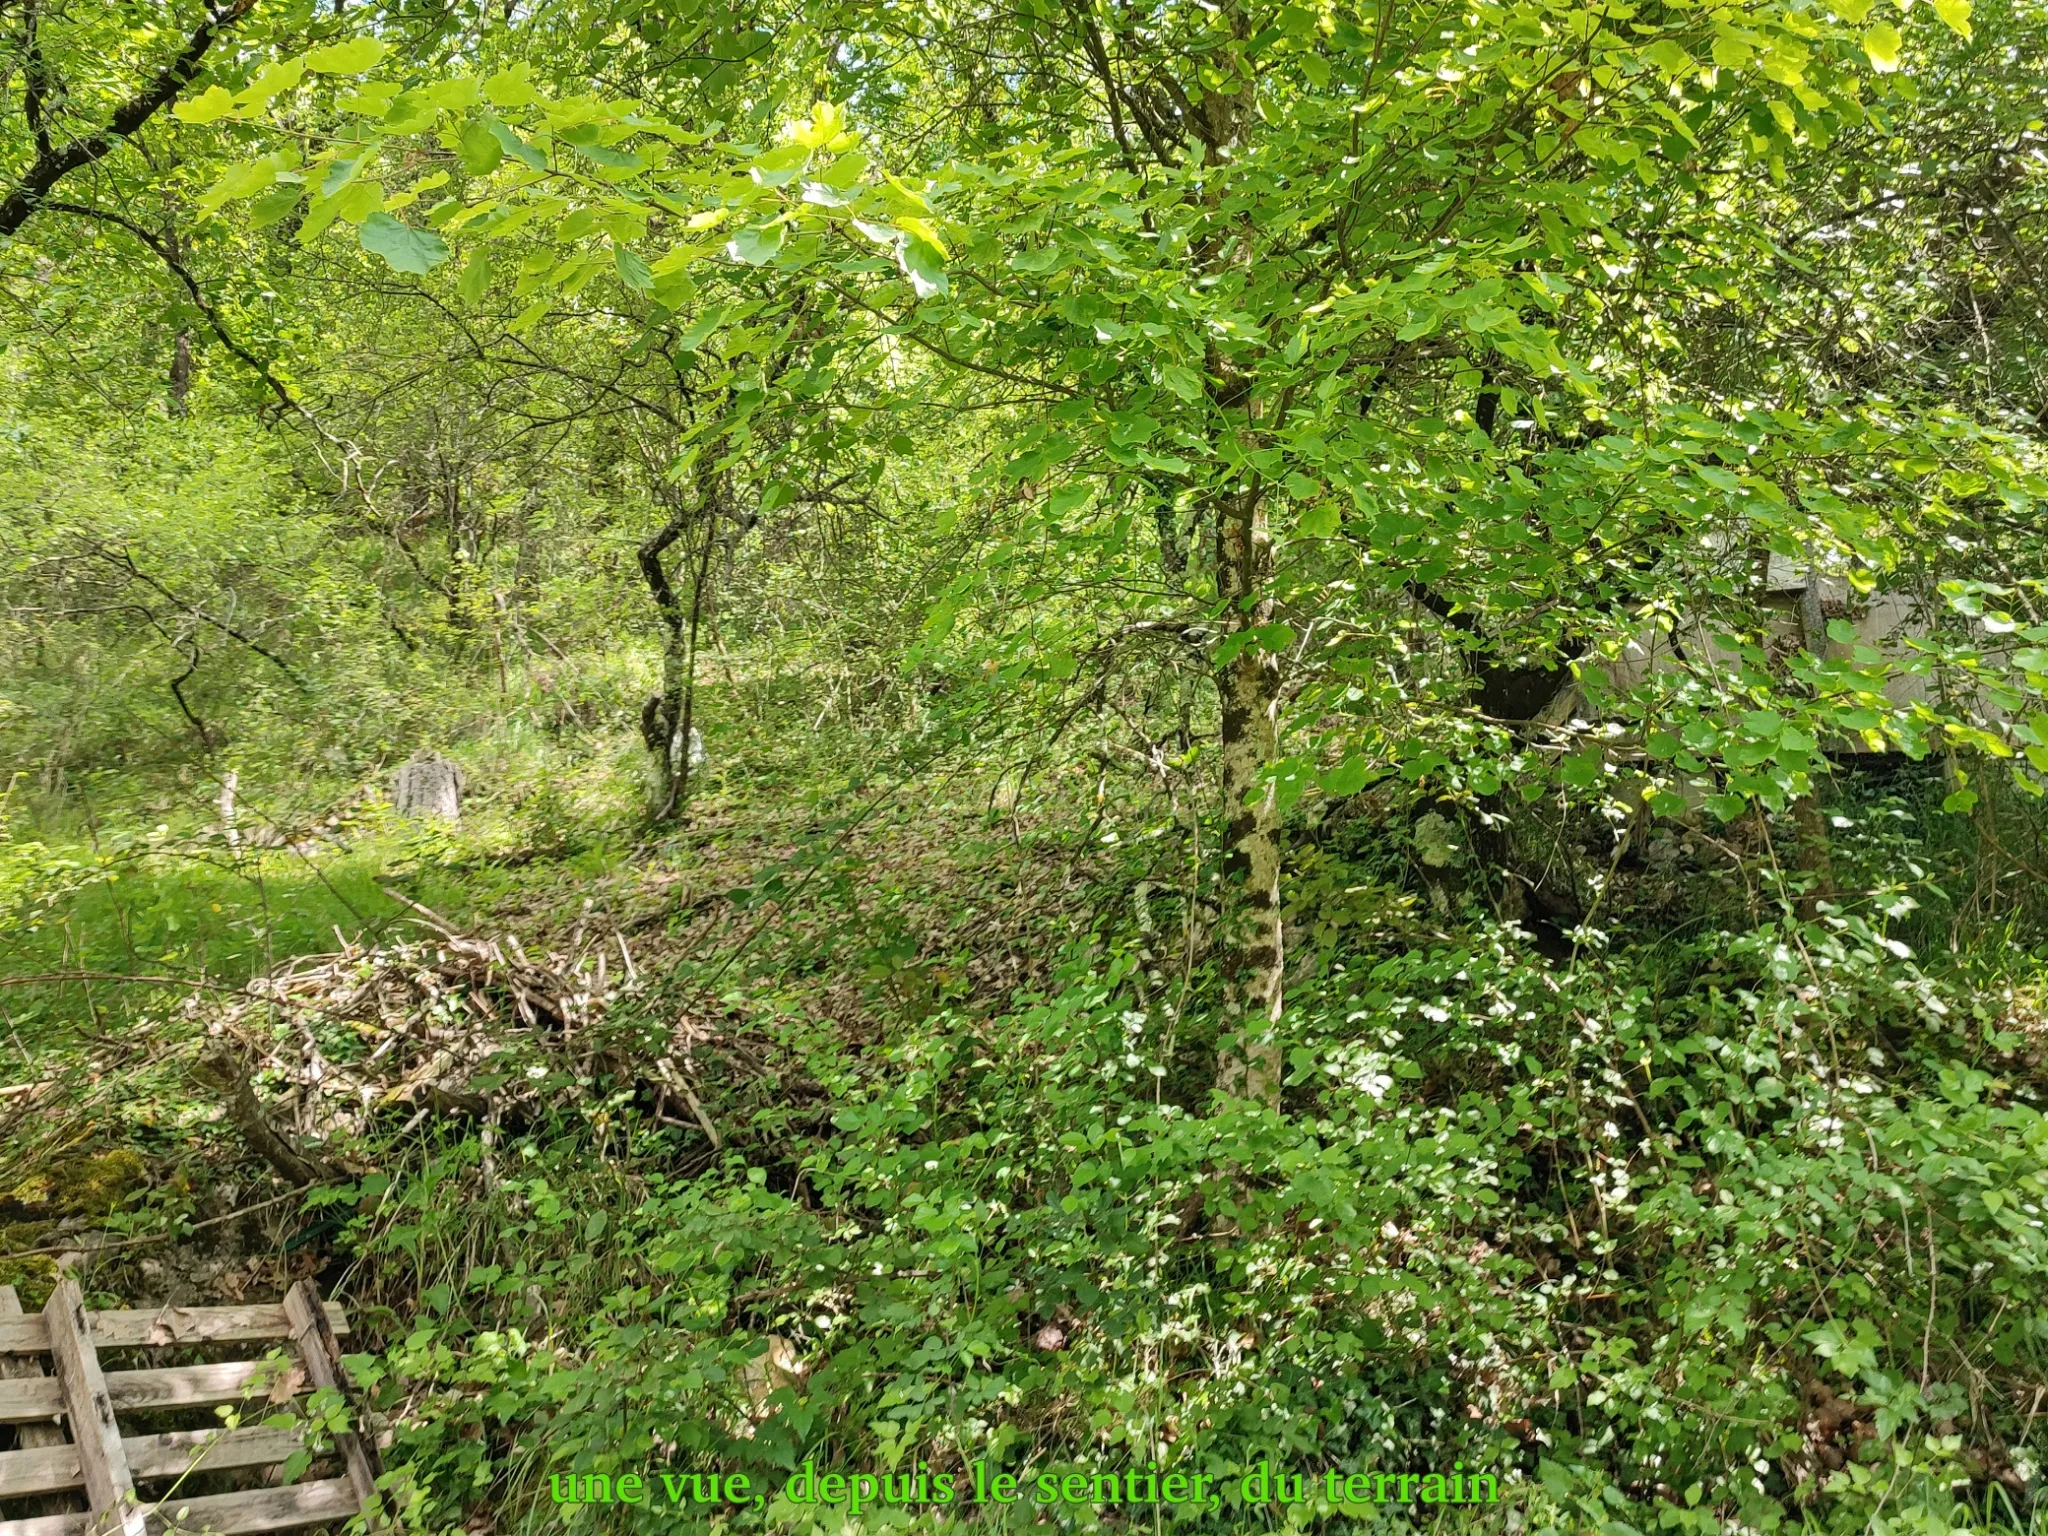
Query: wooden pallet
{"type": "Point", "coordinates": [100, 1462]}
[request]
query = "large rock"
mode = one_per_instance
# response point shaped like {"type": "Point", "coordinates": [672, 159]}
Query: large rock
{"type": "Point", "coordinates": [428, 786]}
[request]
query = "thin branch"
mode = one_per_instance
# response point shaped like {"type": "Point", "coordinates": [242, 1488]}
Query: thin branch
{"type": "Point", "coordinates": [52, 164]}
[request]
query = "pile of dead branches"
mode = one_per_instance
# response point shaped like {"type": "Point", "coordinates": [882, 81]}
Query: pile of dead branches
{"type": "Point", "coordinates": [450, 1023]}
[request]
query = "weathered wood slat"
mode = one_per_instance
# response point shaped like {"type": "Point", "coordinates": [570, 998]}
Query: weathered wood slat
{"type": "Point", "coordinates": [223, 1514]}
{"type": "Point", "coordinates": [109, 1488]}
{"type": "Point", "coordinates": [320, 1353]}
{"type": "Point", "coordinates": [209, 1450]}
{"type": "Point", "coordinates": [30, 1437]}
{"type": "Point", "coordinates": [145, 1326]}
{"type": "Point", "coordinates": [263, 1509]}
{"type": "Point", "coordinates": [175, 1386]}
{"type": "Point", "coordinates": [175, 1454]}
{"type": "Point", "coordinates": [23, 1366]}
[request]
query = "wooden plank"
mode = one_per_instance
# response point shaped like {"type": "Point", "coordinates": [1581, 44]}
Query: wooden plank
{"type": "Point", "coordinates": [35, 1436]}
{"type": "Point", "coordinates": [261, 1509]}
{"type": "Point", "coordinates": [186, 1451]}
{"type": "Point", "coordinates": [173, 1386]}
{"type": "Point", "coordinates": [109, 1489]}
{"type": "Point", "coordinates": [149, 1327]}
{"type": "Point", "coordinates": [224, 1514]}
{"type": "Point", "coordinates": [320, 1353]}
{"type": "Point", "coordinates": [47, 1525]}
{"type": "Point", "coordinates": [22, 1365]}
{"type": "Point", "coordinates": [175, 1454]}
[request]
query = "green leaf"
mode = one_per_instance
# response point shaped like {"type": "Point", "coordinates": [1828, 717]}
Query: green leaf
{"type": "Point", "coordinates": [585, 142]}
{"type": "Point", "coordinates": [1182, 381]}
{"type": "Point", "coordinates": [633, 269]}
{"type": "Point", "coordinates": [348, 58]}
{"type": "Point", "coordinates": [479, 149]}
{"type": "Point", "coordinates": [1851, 11]}
{"type": "Point", "coordinates": [512, 87]}
{"type": "Point", "coordinates": [1727, 807]}
{"type": "Point", "coordinates": [1669, 57]}
{"type": "Point", "coordinates": [755, 247]}
{"type": "Point", "coordinates": [210, 107]}
{"type": "Point", "coordinates": [1319, 520]}
{"type": "Point", "coordinates": [1962, 802]}
{"type": "Point", "coordinates": [359, 201]}
{"type": "Point", "coordinates": [924, 266]}
{"type": "Point", "coordinates": [239, 181]}
{"type": "Point", "coordinates": [1347, 778]}
{"type": "Point", "coordinates": [699, 330]}
{"type": "Point", "coordinates": [530, 316]}
{"type": "Point", "coordinates": [1731, 52]}
{"type": "Point", "coordinates": [515, 146]}
{"type": "Point", "coordinates": [475, 279]}
{"type": "Point", "coordinates": [403, 248]}
{"type": "Point", "coordinates": [275, 204]}
{"type": "Point", "coordinates": [1300, 487]}
{"type": "Point", "coordinates": [1582, 770]}
{"type": "Point", "coordinates": [1881, 42]}
{"type": "Point", "coordinates": [1957, 14]}
{"type": "Point", "coordinates": [270, 82]}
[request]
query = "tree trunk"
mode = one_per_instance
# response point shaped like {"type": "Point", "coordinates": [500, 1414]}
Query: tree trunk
{"type": "Point", "coordinates": [667, 720]}
{"type": "Point", "coordinates": [181, 373]}
{"type": "Point", "coordinates": [1249, 687]}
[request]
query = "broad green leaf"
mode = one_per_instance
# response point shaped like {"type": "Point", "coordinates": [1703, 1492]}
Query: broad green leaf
{"type": "Point", "coordinates": [359, 201]}
{"type": "Point", "coordinates": [411, 112]}
{"type": "Point", "coordinates": [404, 248]}
{"type": "Point", "coordinates": [476, 278]}
{"type": "Point", "coordinates": [479, 149]}
{"type": "Point", "coordinates": [1731, 52]}
{"type": "Point", "coordinates": [779, 166]}
{"type": "Point", "coordinates": [1727, 807]}
{"type": "Point", "coordinates": [515, 146]}
{"type": "Point", "coordinates": [585, 142]}
{"type": "Point", "coordinates": [925, 266]}
{"type": "Point", "coordinates": [339, 174]}
{"type": "Point", "coordinates": [1881, 42]}
{"type": "Point", "coordinates": [1669, 57]}
{"type": "Point", "coordinates": [1182, 381]}
{"type": "Point", "coordinates": [511, 87]}
{"type": "Point", "coordinates": [1347, 778]}
{"type": "Point", "coordinates": [211, 106]}
{"type": "Point", "coordinates": [633, 269]}
{"type": "Point", "coordinates": [275, 204]}
{"type": "Point", "coordinates": [347, 58]}
{"type": "Point", "coordinates": [270, 82]}
{"type": "Point", "coordinates": [1582, 770]}
{"type": "Point", "coordinates": [699, 330]}
{"type": "Point", "coordinates": [457, 95]}
{"type": "Point", "coordinates": [755, 247]}
{"type": "Point", "coordinates": [1957, 14]}
{"type": "Point", "coordinates": [239, 181]}
{"type": "Point", "coordinates": [1319, 520]}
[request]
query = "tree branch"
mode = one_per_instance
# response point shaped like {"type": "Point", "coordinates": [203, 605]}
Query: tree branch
{"type": "Point", "coordinates": [52, 163]}
{"type": "Point", "coordinates": [184, 275]}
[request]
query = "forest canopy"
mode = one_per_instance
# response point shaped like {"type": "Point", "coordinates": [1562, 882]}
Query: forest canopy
{"type": "Point", "coordinates": [1054, 739]}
